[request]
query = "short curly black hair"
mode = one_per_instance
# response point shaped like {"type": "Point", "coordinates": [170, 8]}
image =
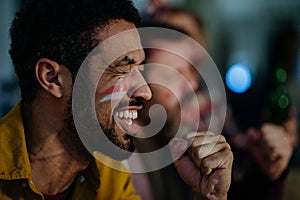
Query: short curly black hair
{"type": "Point", "coordinates": [61, 30]}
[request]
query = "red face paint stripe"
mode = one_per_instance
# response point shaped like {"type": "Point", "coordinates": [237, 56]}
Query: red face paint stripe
{"type": "Point", "coordinates": [168, 95]}
{"type": "Point", "coordinates": [113, 89]}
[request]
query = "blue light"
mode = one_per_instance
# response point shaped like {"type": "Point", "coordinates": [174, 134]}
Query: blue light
{"type": "Point", "coordinates": [238, 78]}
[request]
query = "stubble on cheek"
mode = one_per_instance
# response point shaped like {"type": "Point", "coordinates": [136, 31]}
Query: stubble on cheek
{"type": "Point", "coordinates": [105, 114]}
{"type": "Point", "coordinates": [111, 129]}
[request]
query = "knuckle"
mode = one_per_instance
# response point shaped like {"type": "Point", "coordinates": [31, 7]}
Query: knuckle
{"type": "Point", "coordinates": [222, 138]}
{"type": "Point", "coordinates": [228, 146]}
{"type": "Point", "coordinates": [230, 155]}
{"type": "Point", "coordinates": [201, 152]}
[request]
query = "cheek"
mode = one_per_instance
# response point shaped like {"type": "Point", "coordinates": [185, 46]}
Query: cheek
{"type": "Point", "coordinates": [103, 109]}
{"type": "Point", "coordinates": [104, 114]}
{"type": "Point", "coordinates": [168, 95]}
{"type": "Point", "coordinates": [177, 90]}
{"type": "Point", "coordinates": [107, 97]}
{"type": "Point", "coordinates": [110, 89]}
{"type": "Point", "coordinates": [193, 81]}
{"type": "Point", "coordinates": [162, 95]}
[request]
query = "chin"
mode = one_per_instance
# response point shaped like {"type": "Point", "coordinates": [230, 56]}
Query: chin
{"type": "Point", "coordinates": [123, 145]}
{"type": "Point", "coordinates": [128, 144]}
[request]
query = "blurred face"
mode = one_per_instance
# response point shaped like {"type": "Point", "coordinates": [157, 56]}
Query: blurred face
{"type": "Point", "coordinates": [122, 90]}
{"type": "Point", "coordinates": [176, 76]}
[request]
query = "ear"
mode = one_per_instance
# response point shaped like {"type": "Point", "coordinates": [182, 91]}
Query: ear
{"type": "Point", "coordinates": [49, 75]}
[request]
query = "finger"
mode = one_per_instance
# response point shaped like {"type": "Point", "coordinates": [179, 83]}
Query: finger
{"type": "Point", "coordinates": [272, 132]}
{"type": "Point", "coordinates": [202, 151]}
{"type": "Point", "coordinates": [192, 135]}
{"type": "Point", "coordinates": [281, 148]}
{"type": "Point", "coordinates": [273, 156]}
{"type": "Point", "coordinates": [219, 160]}
{"type": "Point", "coordinates": [177, 147]}
{"type": "Point", "coordinates": [203, 140]}
{"type": "Point", "coordinates": [198, 154]}
{"type": "Point", "coordinates": [273, 140]}
{"type": "Point", "coordinates": [204, 137]}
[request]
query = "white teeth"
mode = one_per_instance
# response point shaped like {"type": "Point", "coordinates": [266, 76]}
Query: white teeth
{"type": "Point", "coordinates": [129, 122]}
{"type": "Point", "coordinates": [134, 114]}
{"type": "Point", "coordinates": [127, 114]}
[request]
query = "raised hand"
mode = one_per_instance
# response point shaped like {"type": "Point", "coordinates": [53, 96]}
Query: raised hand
{"type": "Point", "coordinates": [271, 148]}
{"type": "Point", "coordinates": [206, 166]}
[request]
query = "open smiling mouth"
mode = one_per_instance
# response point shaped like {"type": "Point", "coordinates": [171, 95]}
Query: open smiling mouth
{"type": "Point", "coordinates": [126, 120]}
{"type": "Point", "coordinates": [126, 112]}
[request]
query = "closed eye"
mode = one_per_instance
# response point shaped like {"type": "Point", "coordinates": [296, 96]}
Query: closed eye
{"type": "Point", "coordinates": [124, 65]}
{"type": "Point", "coordinates": [124, 61]}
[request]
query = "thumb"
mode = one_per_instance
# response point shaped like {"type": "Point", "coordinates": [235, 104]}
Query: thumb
{"type": "Point", "coordinates": [177, 147]}
{"type": "Point", "coordinates": [185, 167]}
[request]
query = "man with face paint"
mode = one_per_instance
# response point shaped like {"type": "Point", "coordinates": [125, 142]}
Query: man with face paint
{"type": "Point", "coordinates": [42, 155]}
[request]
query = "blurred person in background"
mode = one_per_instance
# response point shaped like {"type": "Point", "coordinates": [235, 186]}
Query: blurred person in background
{"type": "Point", "coordinates": [262, 155]}
{"type": "Point", "coordinates": [179, 82]}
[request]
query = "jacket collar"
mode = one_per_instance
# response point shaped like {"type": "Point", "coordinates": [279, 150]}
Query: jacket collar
{"type": "Point", "coordinates": [14, 159]}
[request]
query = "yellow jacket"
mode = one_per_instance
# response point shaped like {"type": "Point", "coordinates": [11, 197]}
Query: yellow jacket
{"type": "Point", "coordinates": [96, 182]}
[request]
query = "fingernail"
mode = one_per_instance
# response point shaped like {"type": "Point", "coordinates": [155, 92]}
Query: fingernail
{"type": "Point", "coordinates": [179, 144]}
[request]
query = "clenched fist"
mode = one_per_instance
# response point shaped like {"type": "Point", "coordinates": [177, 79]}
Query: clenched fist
{"type": "Point", "coordinates": [206, 165]}
{"type": "Point", "coordinates": [271, 149]}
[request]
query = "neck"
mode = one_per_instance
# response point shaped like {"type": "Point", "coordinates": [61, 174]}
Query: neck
{"type": "Point", "coordinates": [56, 153]}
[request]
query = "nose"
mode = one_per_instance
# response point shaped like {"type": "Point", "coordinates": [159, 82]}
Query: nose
{"type": "Point", "coordinates": [142, 92]}
{"type": "Point", "coordinates": [139, 87]}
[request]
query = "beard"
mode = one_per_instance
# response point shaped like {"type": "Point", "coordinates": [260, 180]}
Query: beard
{"type": "Point", "coordinates": [85, 144]}
{"type": "Point", "coordinates": [122, 146]}
{"type": "Point", "coordinates": [113, 137]}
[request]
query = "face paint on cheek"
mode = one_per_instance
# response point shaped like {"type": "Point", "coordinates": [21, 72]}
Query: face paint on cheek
{"type": "Point", "coordinates": [113, 93]}
{"type": "Point", "coordinates": [105, 105]}
{"type": "Point", "coordinates": [168, 95]}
